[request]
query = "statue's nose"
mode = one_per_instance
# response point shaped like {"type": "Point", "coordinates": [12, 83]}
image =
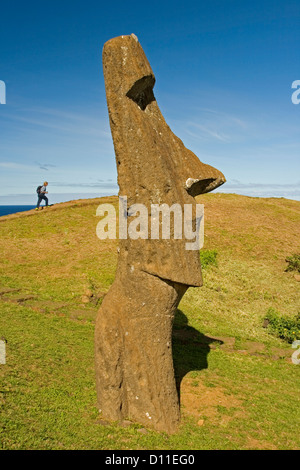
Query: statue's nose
{"type": "Point", "coordinates": [198, 186]}
{"type": "Point", "coordinates": [199, 177]}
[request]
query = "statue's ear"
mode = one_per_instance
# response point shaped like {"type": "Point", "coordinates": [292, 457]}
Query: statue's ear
{"type": "Point", "coordinates": [142, 91]}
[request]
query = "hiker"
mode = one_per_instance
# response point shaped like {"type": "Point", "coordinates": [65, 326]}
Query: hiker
{"type": "Point", "coordinates": [41, 192]}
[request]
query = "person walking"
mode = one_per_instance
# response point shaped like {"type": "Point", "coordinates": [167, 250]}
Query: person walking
{"type": "Point", "coordinates": [42, 191]}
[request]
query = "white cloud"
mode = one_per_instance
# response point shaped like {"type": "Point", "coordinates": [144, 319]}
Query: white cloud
{"type": "Point", "coordinates": [286, 190]}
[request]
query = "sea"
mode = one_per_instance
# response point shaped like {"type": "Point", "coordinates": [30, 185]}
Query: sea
{"type": "Point", "coordinates": [5, 210]}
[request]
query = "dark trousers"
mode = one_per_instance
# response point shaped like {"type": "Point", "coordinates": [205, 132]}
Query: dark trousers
{"type": "Point", "coordinates": [41, 197]}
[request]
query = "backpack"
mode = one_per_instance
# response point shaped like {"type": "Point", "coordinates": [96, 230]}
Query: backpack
{"type": "Point", "coordinates": [38, 189]}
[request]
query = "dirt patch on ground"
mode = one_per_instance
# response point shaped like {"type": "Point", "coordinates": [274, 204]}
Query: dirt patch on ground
{"type": "Point", "coordinates": [255, 444]}
{"type": "Point", "coordinates": [8, 290]}
{"type": "Point", "coordinates": [211, 404]}
{"type": "Point", "coordinates": [18, 299]}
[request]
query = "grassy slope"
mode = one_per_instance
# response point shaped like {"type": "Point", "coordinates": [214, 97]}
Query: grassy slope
{"type": "Point", "coordinates": [236, 393]}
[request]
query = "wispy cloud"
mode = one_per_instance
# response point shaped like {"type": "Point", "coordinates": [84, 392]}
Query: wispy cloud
{"type": "Point", "coordinates": [221, 116]}
{"type": "Point", "coordinates": [204, 132]}
{"type": "Point", "coordinates": [64, 122]}
{"type": "Point", "coordinates": [26, 167]}
{"type": "Point", "coordinates": [45, 166]}
{"type": "Point", "coordinates": [215, 126]}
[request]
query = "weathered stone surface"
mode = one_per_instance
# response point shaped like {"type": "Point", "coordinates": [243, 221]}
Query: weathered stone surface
{"type": "Point", "coordinates": [134, 365]}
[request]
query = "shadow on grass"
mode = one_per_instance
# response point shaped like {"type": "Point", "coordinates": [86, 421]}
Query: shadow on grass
{"type": "Point", "coordinates": [190, 348]}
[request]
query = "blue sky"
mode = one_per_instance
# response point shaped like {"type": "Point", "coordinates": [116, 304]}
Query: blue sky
{"type": "Point", "coordinates": [224, 71]}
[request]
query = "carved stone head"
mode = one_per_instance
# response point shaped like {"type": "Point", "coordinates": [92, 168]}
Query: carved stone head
{"type": "Point", "coordinates": [154, 166]}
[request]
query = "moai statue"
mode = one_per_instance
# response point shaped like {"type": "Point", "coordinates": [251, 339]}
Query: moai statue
{"type": "Point", "coordinates": [133, 337]}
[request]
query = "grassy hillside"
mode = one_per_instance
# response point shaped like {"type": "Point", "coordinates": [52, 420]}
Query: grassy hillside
{"type": "Point", "coordinates": [238, 386]}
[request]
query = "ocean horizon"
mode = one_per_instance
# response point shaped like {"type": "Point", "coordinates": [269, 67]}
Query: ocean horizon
{"type": "Point", "coordinates": [6, 210]}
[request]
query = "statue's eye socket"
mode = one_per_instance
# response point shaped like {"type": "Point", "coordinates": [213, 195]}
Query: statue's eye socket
{"type": "Point", "coordinates": [142, 92]}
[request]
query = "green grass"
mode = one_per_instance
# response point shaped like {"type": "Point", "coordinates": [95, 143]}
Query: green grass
{"type": "Point", "coordinates": [208, 258]}
{"type": "Point", "coordinates": [293, 263]}
{"type": "Point", "coordinates": [285, 328]}
{"type": "Point", "coordinates": [236, 378]}
{"type": "Point", "coordinates": [48, 398]}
